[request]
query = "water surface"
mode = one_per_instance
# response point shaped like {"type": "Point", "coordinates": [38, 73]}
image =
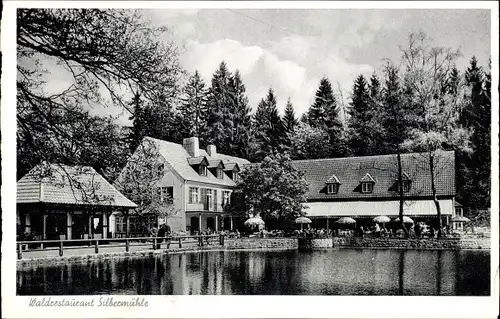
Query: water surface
{"type": "Point", "coordinates": [327, 272]}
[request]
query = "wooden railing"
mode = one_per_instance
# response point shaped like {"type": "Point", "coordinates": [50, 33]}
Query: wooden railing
{"type": "Point", "coordinates": [156, 242]}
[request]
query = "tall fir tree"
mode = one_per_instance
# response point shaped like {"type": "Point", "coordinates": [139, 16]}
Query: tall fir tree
{"type": "Point", "coordinates": [289, 119]}
{"type": "Point", "coordinates": [268, 126]}
{"type": "Point", "coordinates": [219, 109]}
{"type": "Point", "coordinates": [241, 135]}
{"type": "Point", "coordinates": [324, 114]}
{"type": "Point", "coordinates": [193, 109]}
{"type": "Point", "coordinates": [361, 133]}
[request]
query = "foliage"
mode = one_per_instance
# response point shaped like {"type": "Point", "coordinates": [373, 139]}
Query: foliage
{"type": "Point", "coordinates": [438, 127]}
{"type": "Point", "coordinates": [109, 54]}
{"type": "Point", "coordinates": [324, 114]}
{"type": "Point", "coordinates": [268, 125]}
{"type": "Point", "coordinates": [274, 188]}
{"type": "Point", "coordinates": [308, 142]}
{"type": "Point", "coordinates": [193, 109]}
{"type": "Point", "coordinates": [139, 181]}
{"type": "Point", "coordinates": [229, 120]}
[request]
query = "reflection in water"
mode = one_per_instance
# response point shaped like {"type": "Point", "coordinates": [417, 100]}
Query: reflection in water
{"type": "Point", "coordinates": [327, 272]}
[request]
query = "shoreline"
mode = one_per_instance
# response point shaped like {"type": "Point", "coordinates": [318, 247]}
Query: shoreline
{"type": "Point", "coordinates": [254, 246]}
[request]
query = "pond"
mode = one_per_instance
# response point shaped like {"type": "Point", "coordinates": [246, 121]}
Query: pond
{"type": "Point", "coordinates": [326, 272]}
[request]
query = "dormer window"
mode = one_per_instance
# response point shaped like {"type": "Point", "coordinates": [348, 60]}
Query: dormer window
{"type": "Point", "coordinates": [220, 173]}
{"type": "Point", "coordinates": [202, 170]}
{"type": "Point", "coordinates": [406, 186]}
{"type": "Point", "coordinates": [367, 183]}
{"type": "Point", "coordinates": [332, 188]}
{"type": "Point", "coordinates": [236, 176]}
{"type": "Point", "coordinates": [332, 185]}
{"type": "Point", "coordinates": [367, 187]}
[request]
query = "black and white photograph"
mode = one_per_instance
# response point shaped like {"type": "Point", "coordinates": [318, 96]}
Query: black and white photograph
{"type": "Point", "coordinates": [228, 149]}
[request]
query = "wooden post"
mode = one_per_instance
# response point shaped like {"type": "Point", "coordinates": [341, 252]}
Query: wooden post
{"type": "Point", "coordinates": [180, 242]}
{"type": "Point", "coordinates": [19, 251]}
{"type": "Point", "coordinates": [221, 240]}
{"type": "Point", "coordinates": [69, 224]}
{"type": "Point", "coordinates": [61, 248]}
{"type": "Point", "coordinates": [231, 220]}
{"type": "Point", "coordinates": [127, 245]}
{"type": "Point", "coordinates": [154, 243]}
{"type": "Point", "coordinates": [216, 222]}
{"type": "Point", "coordinates": [105, 221]}
{"type": "Point", "coordinates": [97, 246]}
{"type": "Point", "coordinates": [327, 223]}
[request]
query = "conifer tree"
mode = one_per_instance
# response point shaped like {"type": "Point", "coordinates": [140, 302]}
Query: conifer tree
{"type": "Point", "coordinates": [219, 107]}
{"type": "Point", "coordinates": [268, 126]}
{"type": "Point", "coordinates": [289, 119]}
{"type": "Point", "coordinates": [193, 109]}
{"type": "Point", "coordinates": [361, 134]}
{"type": "Point", "coordinates": [324, 114]}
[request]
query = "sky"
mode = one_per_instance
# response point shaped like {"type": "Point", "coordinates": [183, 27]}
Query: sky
{"type": "Point", "coordinates": [290, 50]}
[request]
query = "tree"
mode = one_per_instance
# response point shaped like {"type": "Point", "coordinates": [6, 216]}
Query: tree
{"type": "Point", "coordinates": [324, 114]}
{"type": "Point", "coordinates": [289, 119]}
{"type": "Point", "coordinates": [476, 116]}
{"type": "Point", "coordinates": [241, 135]}
{"type": "Point", "coordinates": [193, 109]}
{"type": "Point", "coordinates": [139, 181]}
{"type": "Point", "coordinates": [361, 121]}
{"type": "Point", "coordinates": [395, 128]}
{"type": "Point", "coordinates": [108, 53]}
{"type": "Point", "coordinates": [273, 189]}
{"type": "Point", "coordinates": [438, 128]}
{"type": "Point", "coordinates": [309, 142]}
{"type": "Point", "coordinates": [268, 126]}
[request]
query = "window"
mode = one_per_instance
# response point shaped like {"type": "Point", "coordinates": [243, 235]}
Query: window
{"type": "Point", "coordinates": [366, 187]}
{"type": "Point", "coordinates": [458, 211]}
{"type": "Point", "coordinates": [226, 197]}
{"type": "Point", "coordinates": [206, 198]}
{"type": "Point", "coordinates": [406, 186]}
{"type": "Point", "coordinates": [166, 194]}
{"type": "Point", "coordinates": [202, 170]}
{"type": "Point", "coordinates": [215, 200]}
{"type": "Point", "coordinates": [120, 224]}
{"type": "Point", "coordinates": [193, 195]}
{"type": "Point", "coordinates": [220, 173]}
{"type": "Point", "coordinates": [159, 170]}
{"type": "Point", "coordinates": [332, 188]}
{"type": "Point", "coordinates": [236, 177]}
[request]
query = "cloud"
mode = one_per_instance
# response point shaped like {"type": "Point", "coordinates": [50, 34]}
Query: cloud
{"type": "Point", "coordinates": [264, 68]}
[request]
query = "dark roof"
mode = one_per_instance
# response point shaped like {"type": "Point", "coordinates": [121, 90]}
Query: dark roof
{"type": "Point", "coordinates": [383, 170]}
{"type": "Point", "coordinates": [69, 185]}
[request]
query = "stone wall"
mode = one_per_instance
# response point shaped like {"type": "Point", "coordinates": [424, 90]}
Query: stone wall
{"type": "Point", "coordinates": [412, 243]}
{"type": "Point", "coordinates": [264, 243]}
{"type": "Point", "coordinates": [315, 243]}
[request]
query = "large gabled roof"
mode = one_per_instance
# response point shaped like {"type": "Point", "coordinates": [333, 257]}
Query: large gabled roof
{"type": "Point", "coordinates": [383, 169]}
{"type": "Point", "coordinates": [177, 157]}
{"type": "Point", "coordinates": [68, 185]}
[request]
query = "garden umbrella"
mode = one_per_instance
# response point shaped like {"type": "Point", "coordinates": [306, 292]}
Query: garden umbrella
{"type": "Point", "coordinates": [254, 221]}
{"type": "Point", "coordinates": [406, 220]}
{"type": "Point", "coordinates": [302, 220]}
{"type": "Point", "coordinates": [381, 219]}
{"type": "Point", "coordinates": [459, 219]}
{"type": "Point", "coordinates": [346, 221]}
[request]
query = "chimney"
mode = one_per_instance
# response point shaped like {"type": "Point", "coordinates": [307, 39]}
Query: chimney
{"type": "Point", "coordinates": [192, 146]}
{"type": "Point", "coordinates": [211, 150]}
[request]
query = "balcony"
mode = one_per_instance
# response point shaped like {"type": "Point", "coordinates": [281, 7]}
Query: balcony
{"type": "Point", "coordinates": [207, 207]}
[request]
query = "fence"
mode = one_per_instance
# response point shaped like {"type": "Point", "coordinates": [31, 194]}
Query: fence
{"type": "Point", "coordinates": [200, 240]}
